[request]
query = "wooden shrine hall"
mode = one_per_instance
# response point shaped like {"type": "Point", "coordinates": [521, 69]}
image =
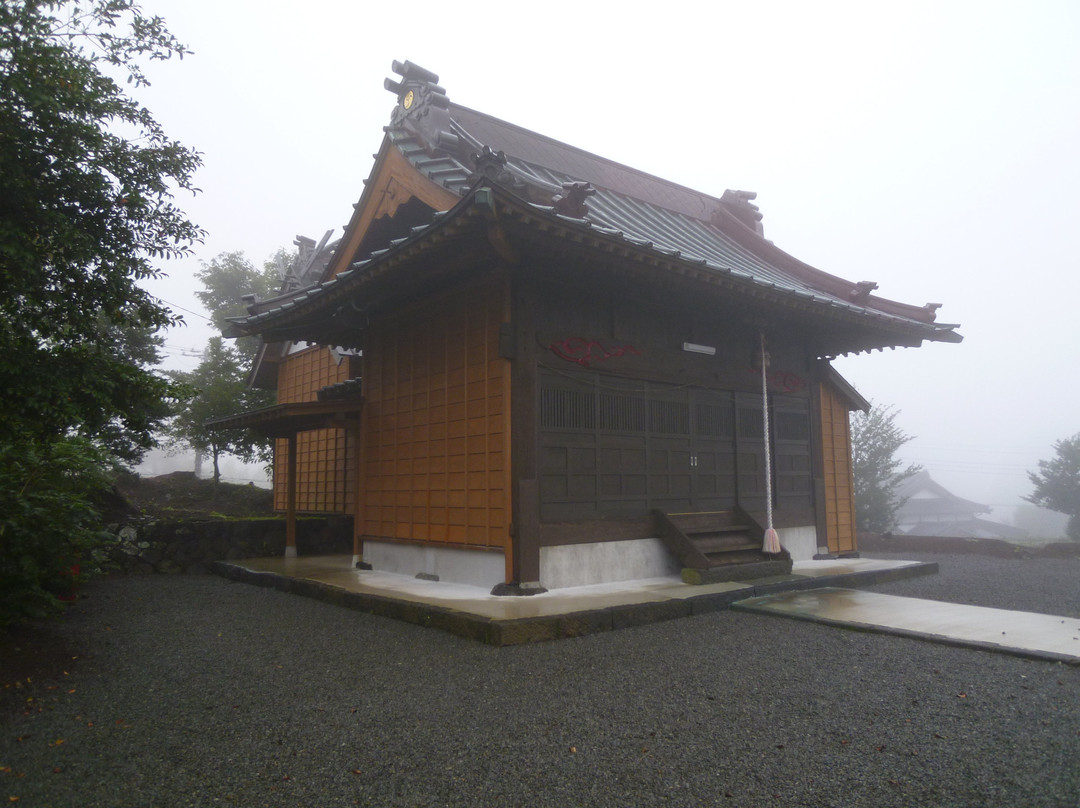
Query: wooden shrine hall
{"type": "Point", "coordinates": [525, 366]}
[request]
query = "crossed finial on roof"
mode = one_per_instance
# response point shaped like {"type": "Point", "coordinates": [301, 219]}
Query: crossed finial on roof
{"type": "Point", "coordinates": [421, 101]}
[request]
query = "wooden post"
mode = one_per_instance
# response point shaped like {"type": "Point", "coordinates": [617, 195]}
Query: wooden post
{"type": "Point", "coordinates": [358, 493]}
{"type": "Point", "coordinates": [817, 462]}
{"type": "Point", "coordinates": [524, 486]}
{"type": "Point", "coordinates": [290, 506]}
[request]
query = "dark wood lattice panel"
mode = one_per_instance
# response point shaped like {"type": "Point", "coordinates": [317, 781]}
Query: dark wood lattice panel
{"type": "Point", "coordinates": [615, 447]}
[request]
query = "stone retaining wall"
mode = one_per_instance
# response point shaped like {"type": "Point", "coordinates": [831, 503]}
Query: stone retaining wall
{"type": "Point", "coordinates": [173, 546]}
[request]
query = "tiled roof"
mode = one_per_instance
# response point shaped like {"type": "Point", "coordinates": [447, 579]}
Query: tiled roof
{"type": "Point", "coordinates": [533, 149]}
{"type": "Point", "coordinates": [459, 149]}
{"type": "Point", "coordinates": [444, 170]}
{"type": "Point", "coordinates": [642, 208]}
{"type": "Point", "coordinates": [318, 302]}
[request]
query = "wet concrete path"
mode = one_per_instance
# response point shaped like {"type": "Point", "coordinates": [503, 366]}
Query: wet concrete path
{"type": "Point", "coordinates": [815, 590]}
{"type": "Point", "coordinates": [1023, 633]}
{"type": "Point", "coordinates": [473, 612]}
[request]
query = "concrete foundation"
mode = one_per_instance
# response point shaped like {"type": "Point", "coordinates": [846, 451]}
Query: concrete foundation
{"type": "Point", "coordinates": [604, 562]}
{"type": "Point", "coordinates": [448, 564]}
{"type": "Point", "coordinates": [800, 542]}
{"type": "Point", "coordinates": [561, 566]}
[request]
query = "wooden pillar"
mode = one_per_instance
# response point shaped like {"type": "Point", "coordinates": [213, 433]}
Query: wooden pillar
{"type": "Point", "coordinates": [290, 506]}
{"type": "Point", "coordinates": [524, 557]}
{"type": "Point", "coordinates": [358, 492]}
{"type": "Point", "coordinates": [817, 462]}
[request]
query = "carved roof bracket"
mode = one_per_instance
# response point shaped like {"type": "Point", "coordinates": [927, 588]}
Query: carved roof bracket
{"type": "Point", "coordinates": [571, 202]}
{"type": "Point", "coordinates": [740, 205]}
{"type": "Point", "coordinates": [492, 165]}
{"type": "Point", "coordinates": [861, 293]}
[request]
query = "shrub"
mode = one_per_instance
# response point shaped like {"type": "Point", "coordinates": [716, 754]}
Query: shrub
{"type": "Point", "coordinates": [49, 522]}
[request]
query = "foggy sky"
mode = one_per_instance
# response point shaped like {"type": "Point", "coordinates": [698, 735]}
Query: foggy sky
{"type": "Point", "coordinates": [930, 147]}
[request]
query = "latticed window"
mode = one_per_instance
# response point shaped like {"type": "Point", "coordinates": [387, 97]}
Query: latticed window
{"type": "Point", "coordinates": [751, 425]}
{"type": "Point", "coordinates": [622, 412]}
{"type": "Point", "coordinates": [792, 426]}
{"type": "Point", "coordinates": [612, 446]}
{"type": "Point", "coordinates": [669, 417]}
{"type": "Point", "coordinates": [567, 409]}
{"type": "Point", "coordinates": [714, 420]}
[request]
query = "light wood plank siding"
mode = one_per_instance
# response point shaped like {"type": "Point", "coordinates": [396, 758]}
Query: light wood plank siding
{"type": "Point", "coordinates": [436, 449]}
{"type": "Point", "coordinates": [323, 482]}
{"type": "Point", "coordinates": [839, 485]}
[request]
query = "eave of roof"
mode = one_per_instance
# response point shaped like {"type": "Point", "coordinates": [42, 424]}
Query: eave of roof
{"type": "Point", "coordinates": [282, 420]}
{"type": "Point", "coordinates": [728, 274]}
{"type": "Point", "coordinates": [296, 317]}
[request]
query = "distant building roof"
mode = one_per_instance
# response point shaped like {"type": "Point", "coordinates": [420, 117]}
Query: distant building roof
{"type": "Point", "coordinates": [929, 509]}
{"type": "Point", "coordinates": [921, 497]}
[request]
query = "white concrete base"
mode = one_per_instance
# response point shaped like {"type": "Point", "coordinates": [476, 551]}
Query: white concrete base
{"type": "Point", "coordinates": [800, 542]}
{"type": "Point", "coordinates": [290, 552]}
{"type": "Point", "coordinates": [473, 567]}
{"type": "Point", "coordinates": [356, 560]}
{"type": "Point", "coordinates": [604, 562]}
{"type": "Point", "coordinates": [560, 567]}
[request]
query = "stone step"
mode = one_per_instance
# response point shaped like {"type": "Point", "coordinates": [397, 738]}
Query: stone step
{"type": "Point", "coordinates": [737, 572]}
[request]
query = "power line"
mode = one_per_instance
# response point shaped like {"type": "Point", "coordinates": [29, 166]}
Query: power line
{"type": "Point", "coordinates": [185, 350]}
{"type": "Point", "coordinates": [189, 311]}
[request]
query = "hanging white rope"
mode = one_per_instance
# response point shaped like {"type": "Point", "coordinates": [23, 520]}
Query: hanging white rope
{"type": "Point", "coordinates": [771, 544]}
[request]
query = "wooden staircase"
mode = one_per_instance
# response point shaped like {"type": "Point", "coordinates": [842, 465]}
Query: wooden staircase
{"type": "Point", "coordinates": [715, 546]}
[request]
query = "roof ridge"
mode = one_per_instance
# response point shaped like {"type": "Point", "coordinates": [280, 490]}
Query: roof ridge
{"type": "Point", "coordinates": [569, 147]}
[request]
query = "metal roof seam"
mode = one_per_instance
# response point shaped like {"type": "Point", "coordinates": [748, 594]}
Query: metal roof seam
{"type": "Point", "coordinates": [803, 293]}
{"type": "Point", "coordinates": [679, 229]}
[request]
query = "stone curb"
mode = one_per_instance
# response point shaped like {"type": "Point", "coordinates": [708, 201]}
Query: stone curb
{"type": "Point", "coordinates": [520, 630]}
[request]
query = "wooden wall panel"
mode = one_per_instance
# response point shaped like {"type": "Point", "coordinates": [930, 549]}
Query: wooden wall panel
{"type": "Point", "coordinates": [837, 472]}
{"type": "Point", "coordinates": [324, 476]}
{"type": "Point", "coordinates": [304, 372]}
{"type": "Point", "coordinates": [436, 421]}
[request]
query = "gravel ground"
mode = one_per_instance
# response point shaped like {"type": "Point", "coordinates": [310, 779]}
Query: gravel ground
{"type": "Point", "coordinates": [191, 690]}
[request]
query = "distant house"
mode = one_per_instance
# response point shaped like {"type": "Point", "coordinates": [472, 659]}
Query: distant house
{"type": "Point", "coordinates": [525, 363]}
{"type": "Point", "coordinates": [928, 509]}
